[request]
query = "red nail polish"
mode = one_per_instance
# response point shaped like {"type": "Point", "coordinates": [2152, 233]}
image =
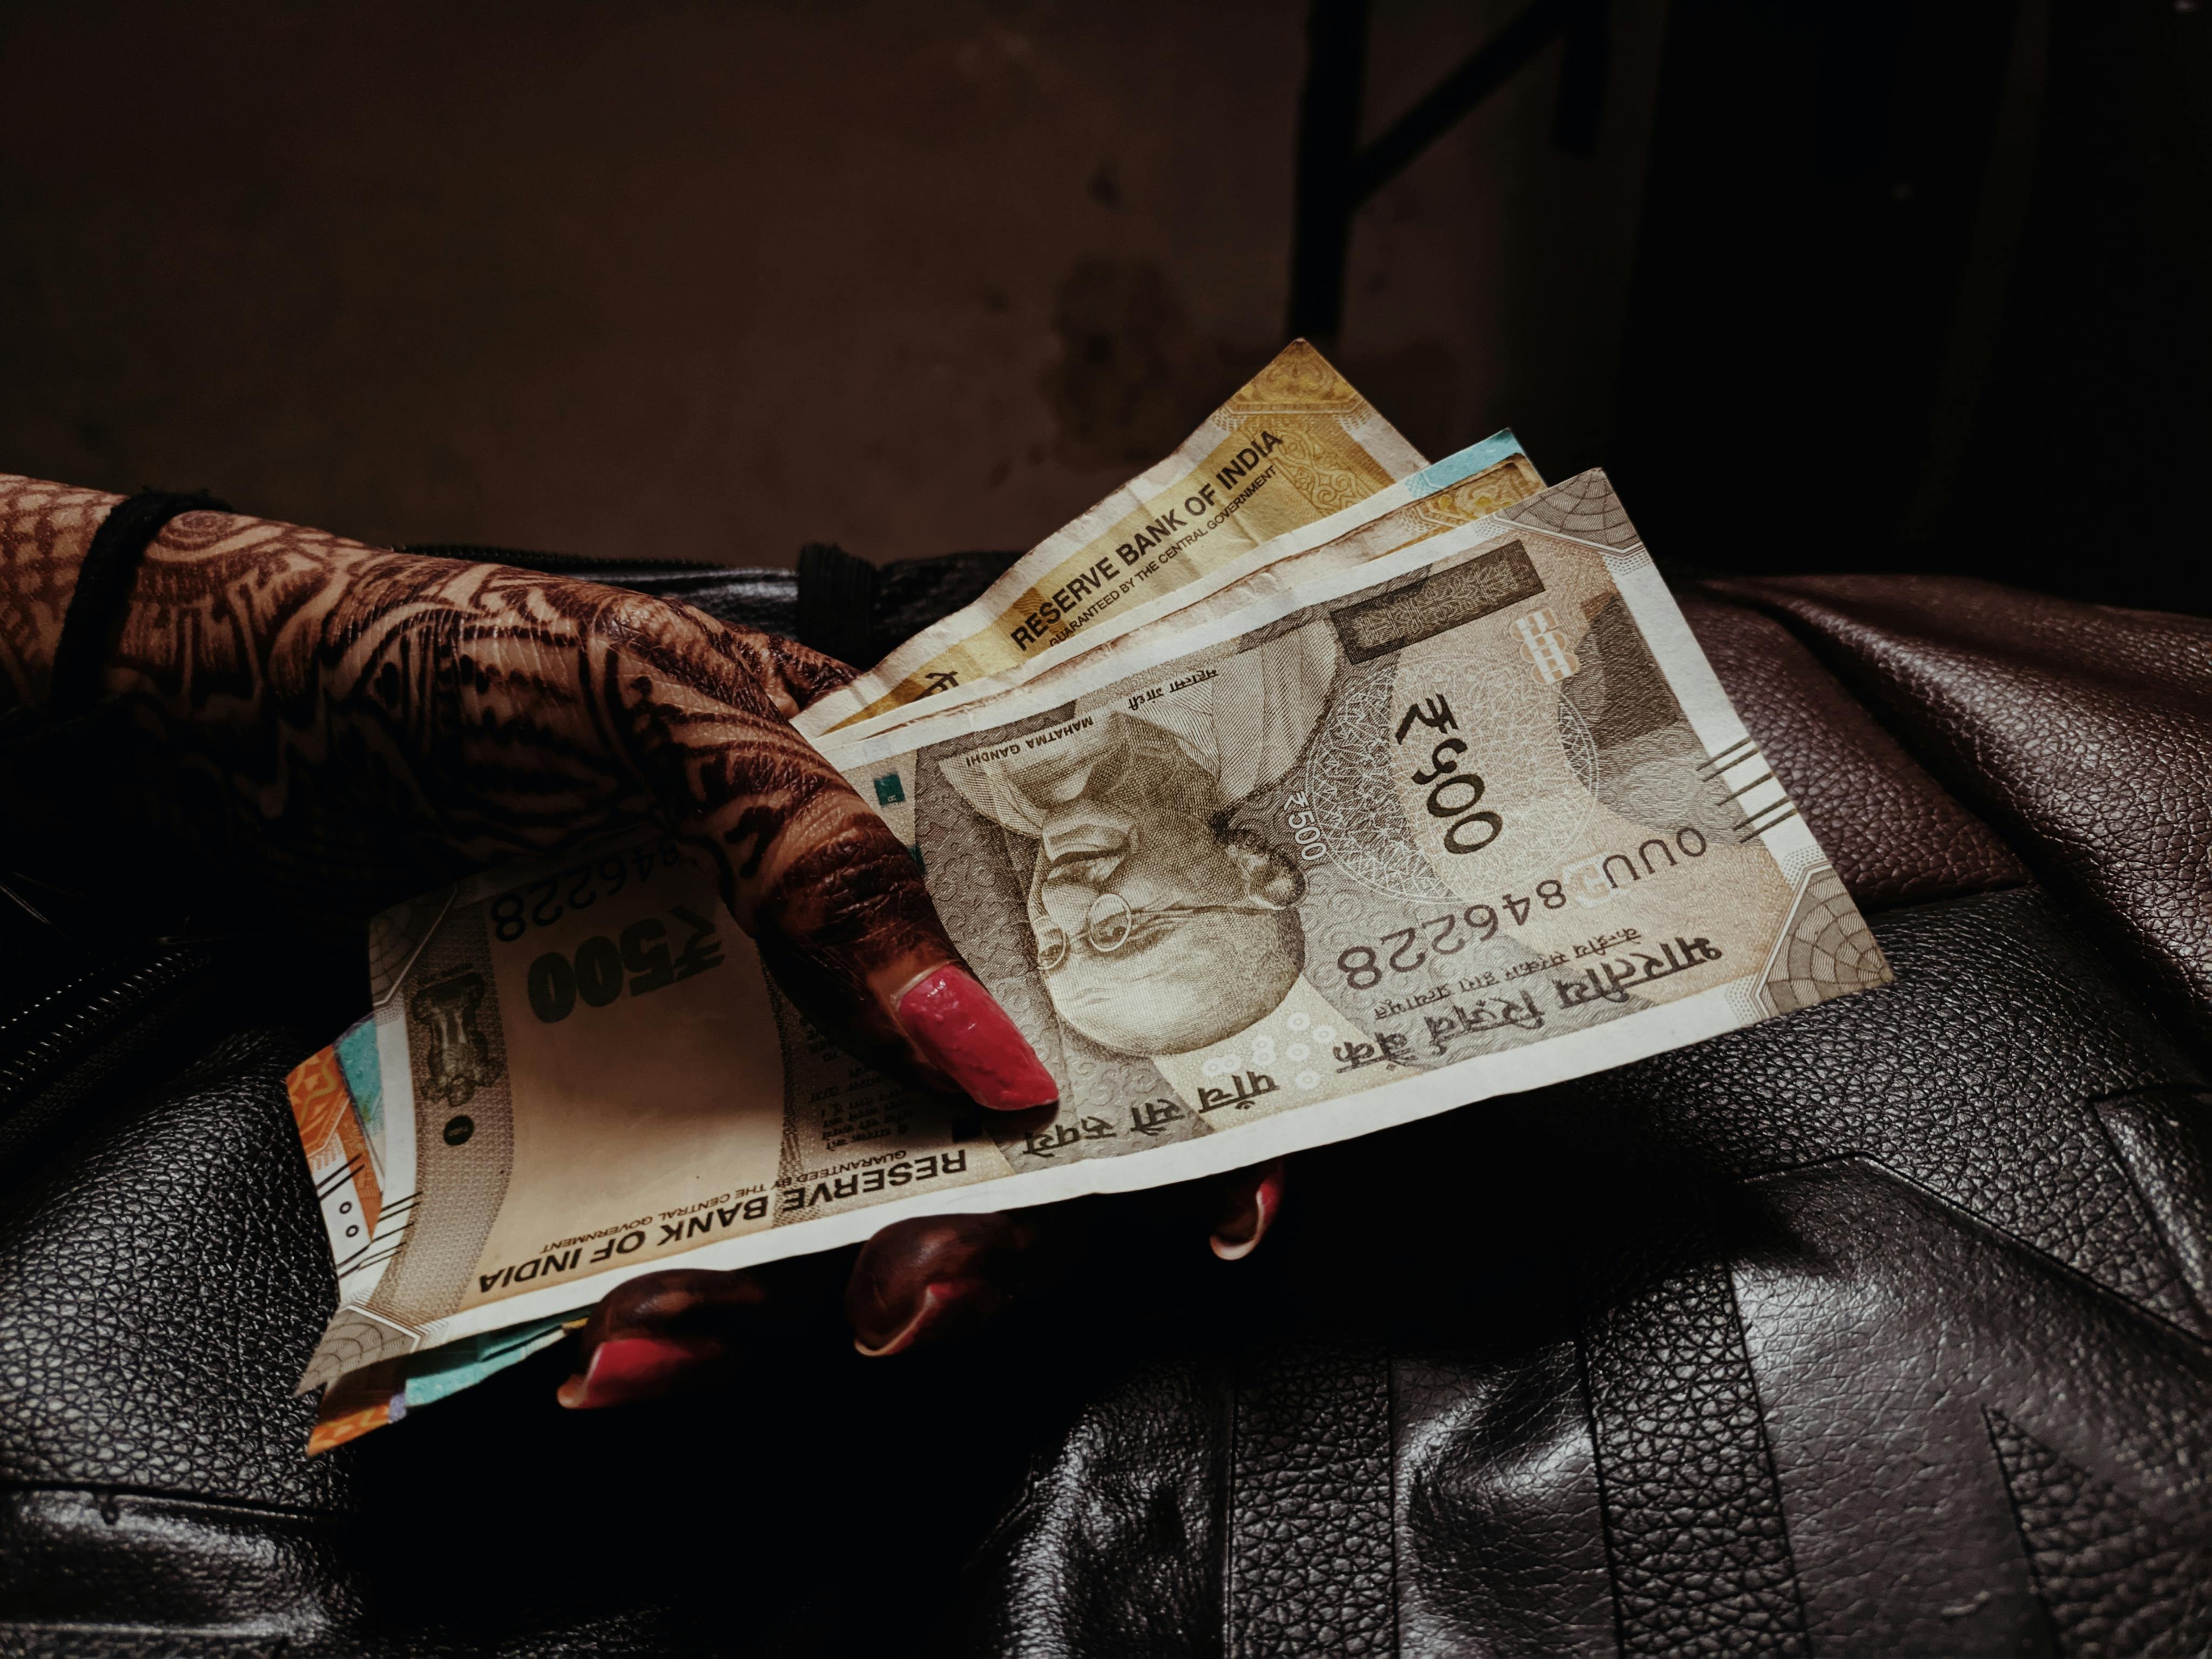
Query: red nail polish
{"type": "Point", "coordinates": [939, 1299]}
{"type": "Point", "coordinates": [960, 1029]}
{"type": "Point", "coordinates": [627, 1368]}
{"type": "Point", "coordinates": [1241, 1236]}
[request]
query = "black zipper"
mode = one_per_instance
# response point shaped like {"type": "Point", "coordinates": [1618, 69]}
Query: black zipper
{"type": "Point", "coordinates": [49, 1034]}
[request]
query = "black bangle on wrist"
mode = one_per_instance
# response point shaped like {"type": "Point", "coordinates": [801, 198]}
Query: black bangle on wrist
{"type": "Point", "coordinates": [94, 618]}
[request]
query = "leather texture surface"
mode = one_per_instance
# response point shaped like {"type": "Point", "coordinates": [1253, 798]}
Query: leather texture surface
{"type": "Point", "coordinates": [1698, 1356]}
{"type": "Point", "coordinates": [1310, 1439]}
{"type": "Point", "coordinates": [2082, 733]}
{"type": "Point", "coordinates": [1883, 1328]}
{"type": "Point", "coordinates": [1893, 834]}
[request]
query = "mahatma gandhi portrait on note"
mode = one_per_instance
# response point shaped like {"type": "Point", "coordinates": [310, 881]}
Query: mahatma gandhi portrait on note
{"type": "Point", "coordinates": [1158, 929]}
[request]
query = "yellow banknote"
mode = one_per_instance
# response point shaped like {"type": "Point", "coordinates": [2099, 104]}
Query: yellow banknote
{"type": "Point", "coordinates": [1478, 481]}
{"type": "Point", "coordinates": [1294, 446]}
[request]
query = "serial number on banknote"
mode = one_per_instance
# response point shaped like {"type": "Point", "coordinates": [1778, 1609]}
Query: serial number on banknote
{"type": "Point", "coordinates": [1594, 881]}
{"type": "Point", "coordinates": [543, 902]}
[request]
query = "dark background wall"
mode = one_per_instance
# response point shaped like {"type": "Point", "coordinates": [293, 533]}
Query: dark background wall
{"type": "Point", "coordinates": [1884, 285]}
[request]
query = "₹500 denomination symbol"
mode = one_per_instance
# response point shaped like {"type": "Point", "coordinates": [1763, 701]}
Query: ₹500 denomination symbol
{"type": "Point", "coordinates": [1453, 794]}
{"type": "Point", "coordinates": [640, 956]}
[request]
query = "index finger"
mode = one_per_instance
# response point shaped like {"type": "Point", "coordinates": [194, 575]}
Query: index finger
{"type": "Point", "coordinates": [807, 867]}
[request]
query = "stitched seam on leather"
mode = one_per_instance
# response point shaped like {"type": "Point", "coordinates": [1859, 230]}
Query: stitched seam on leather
{"type": "Point", "coordinates": [2019, 1531]}
{"type": "Point", "coordinates": [1229, 1507]}
{"type": "Point", "coordinates": [25, 1015]}
{"type": "Point", "coordinates": [202, 1640]}
{"type": "Point", "coordinates": [1766, 1447]}
{"type": "Point", "coordinates": [241, 1506]}
{"type": "Point", "coordinates": [1316, 1483]}
{"type": "Point", "coordinates": [2126, 1167]}
{"type": "Point", "coordinates": [1606, 1496]}
{"type": "Point", "coordinates": [1220, 1464]}
{"type": "Point", "coordinates": [1390, 1477]}
{"type": "Point", "coordinates": [1674, 1586]}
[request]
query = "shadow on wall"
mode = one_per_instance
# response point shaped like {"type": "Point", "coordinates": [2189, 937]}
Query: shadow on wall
{"type": "Point", "coordinates": [1131, 369]}
{"type": "Point", "coordinates": [711, 283]}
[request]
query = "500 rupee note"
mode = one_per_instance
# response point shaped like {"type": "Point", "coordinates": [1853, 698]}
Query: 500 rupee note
{"type": "Point", "coordinates": [1294, 444]}
{"type": "Point", "coordinates": [1470, 818]}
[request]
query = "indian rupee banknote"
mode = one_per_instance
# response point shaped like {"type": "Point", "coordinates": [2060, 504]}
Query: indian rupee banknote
{"type": "Point", "coordinates": [1294, 444]}
{"type": "Point", "coordinates": [1467, 818]}
{"type": "Point", "coordinates": [1478, 481]}
{"type": "Point", "coordinates": [1470, 484]}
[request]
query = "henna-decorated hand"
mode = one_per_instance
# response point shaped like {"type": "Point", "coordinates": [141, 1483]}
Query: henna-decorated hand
{"type": "Point", "coordinates": [306, 725]}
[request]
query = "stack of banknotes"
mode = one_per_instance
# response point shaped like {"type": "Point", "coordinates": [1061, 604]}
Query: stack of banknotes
{"type": "Point", "coordinates": [1299, 789]}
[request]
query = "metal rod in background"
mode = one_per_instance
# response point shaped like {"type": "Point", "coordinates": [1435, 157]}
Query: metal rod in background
{"type": "Point", "coordinates": [1336, 176]}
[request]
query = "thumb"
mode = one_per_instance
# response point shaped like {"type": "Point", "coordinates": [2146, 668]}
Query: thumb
{"type": "Point", "coordinates": [839, 908]}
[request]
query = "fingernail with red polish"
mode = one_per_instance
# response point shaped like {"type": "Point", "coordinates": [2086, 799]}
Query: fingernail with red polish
{"type": "Point", "coordinates": [1241, 1231]}
{"type": "Point", "coordinates": [627, 1368]}
{"type": "Point", "coordinates": [962, 1030]}
{"type": "Point", "coordinates": [941, 1301]}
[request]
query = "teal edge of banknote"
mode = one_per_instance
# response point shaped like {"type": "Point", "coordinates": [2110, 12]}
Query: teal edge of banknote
{"type": "Point", "coordinates": [1462, 464]}
{"type": "Point", "coordinates": [443, 1371]}
{"type": "Point", "coordinates": [446, 1371]}
{"type": "Point", "coordinates": [364, 1081]}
